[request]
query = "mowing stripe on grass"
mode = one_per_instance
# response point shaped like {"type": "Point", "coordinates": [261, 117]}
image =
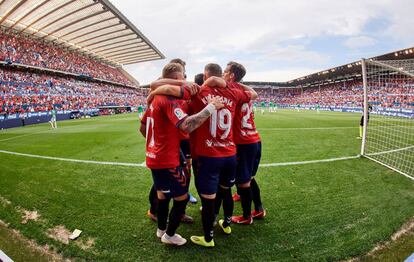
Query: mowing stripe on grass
{"type": "Point", "coordinates": [306, 128]}
{"type": "Point", "coordinates": [41, 132]}
{"type": "Point", "coordinates": [19, 136]}
{"type": "Point", "coordinates": [309, 162]}
{"type": "Point", "coordinates": [143, 164]}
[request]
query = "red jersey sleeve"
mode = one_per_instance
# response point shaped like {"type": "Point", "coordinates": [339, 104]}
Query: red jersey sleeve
{"type": "Point", "coordinates": [185, 94]}
{"type": "Point", "coordinates": [194, 104]}
{"type": "Point", "coordinates": [244, 96]}
{"type": "Point", "coordinates": [174, 111]}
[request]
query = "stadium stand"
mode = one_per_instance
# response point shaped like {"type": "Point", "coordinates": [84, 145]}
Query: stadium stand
{"type": "Point", "coordinates": [67, 55]}
{"type": "Point", "coordinates": [23, 50]}
{"type": "Point", "coordinates": [341, 87]}
{"type": "Point", "coordinates": [346, 94]}
{"type": "Point", "coordinates": [33, 92]}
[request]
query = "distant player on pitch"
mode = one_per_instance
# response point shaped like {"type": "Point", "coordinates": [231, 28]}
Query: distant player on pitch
{"type": "Point", "coordinates": [361, 122]}
{"type": "Point", "coordinates": [53, 119]}
{"type": "Point", "coordinates": [140, 111]}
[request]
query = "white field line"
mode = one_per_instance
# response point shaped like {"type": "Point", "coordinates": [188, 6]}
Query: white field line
{"type": "Point", "coordinates": [4, 257]}
{"type": "Point", "coordinates": [390, 151]}
{"type": "Point", "coordinates": [74, 160]}
{"type": "Point", "coordinates": [143, 164]}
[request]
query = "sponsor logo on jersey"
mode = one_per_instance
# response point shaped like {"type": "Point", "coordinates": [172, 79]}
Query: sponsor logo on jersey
{"type": "Point", "coordinates": [209, 143]}
{"type": "Point", "coordinates": [151, 155]}
{"type": "Point", "coordinates": [179, 113]}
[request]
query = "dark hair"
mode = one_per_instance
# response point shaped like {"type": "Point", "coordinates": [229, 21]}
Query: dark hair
{"type": "Point", "coordinates": [170, 69]}
{"type": "Point", "coordinates": [178, 61]}
{"type": "Point", "coordinates": [238, 70]}
{"type": "Point", "coordinates": [213, 70]}
{"type": "Point", "coordinates": [199, 79]}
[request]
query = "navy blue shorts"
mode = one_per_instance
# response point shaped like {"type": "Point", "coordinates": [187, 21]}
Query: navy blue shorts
{"type": "Point", "coordinates": [171, 181]}
{"type": "Point", "coordinates": [248, 159]}
{"type": "Point", "coordinates": [213, 171]}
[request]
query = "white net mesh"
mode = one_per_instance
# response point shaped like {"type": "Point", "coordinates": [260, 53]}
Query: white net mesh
{"type": "Point", "coordinates": [390, 130]}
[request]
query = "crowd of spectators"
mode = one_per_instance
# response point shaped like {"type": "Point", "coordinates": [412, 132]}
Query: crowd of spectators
{"type": "Point", "coordinates": [23, 50]}
{"type": "Point", "coordinates": [33, 92]}
{"type": "Point", "coordinates": [394, 94]}
{"type": "Point", "coordinates": [25, 91]}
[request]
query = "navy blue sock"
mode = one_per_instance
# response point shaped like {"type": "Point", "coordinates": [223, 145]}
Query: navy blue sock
{"type": "Point", "coordinates": [177, 211]}
{"type": "Point", "coordinates": [246, 201]}
{"type": "Point", "coordinates": [207, 217]}
{"type": "Point", "coordinates": [217, 205]}
{"type": "Point", "coordinates": [228, 205]}
{"type": "Point", "coordinates": [153, 199]}
{"type": "Point", "coordinates": [162, 214]}
{"type": "Point", "coordinates": [256, 195]}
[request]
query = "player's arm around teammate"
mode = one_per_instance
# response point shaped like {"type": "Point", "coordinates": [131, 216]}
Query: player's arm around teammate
{"type": "Point", "coordinates": [193, 87]}
{"type": "Point", "coordinates": [215, 81]}
{"type": "Point", "coordinates": [174, 90]}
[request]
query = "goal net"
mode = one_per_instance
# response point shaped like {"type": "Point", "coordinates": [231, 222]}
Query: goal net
{"type": "Point", "coordinates": [388, 135]}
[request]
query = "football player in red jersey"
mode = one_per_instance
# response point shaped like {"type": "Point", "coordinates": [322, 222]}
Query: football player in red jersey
{"type": "Point", "coordinates": [185, 157]}
{"type": "Point", "coordinates": [162, 155]}
{"type": "Point", "coordinates": [249, 148]}
{"type": "Point", "coordinates": [216, 153]}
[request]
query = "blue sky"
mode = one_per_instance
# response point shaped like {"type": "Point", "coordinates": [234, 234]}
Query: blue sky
{"type": "Point", "coordinates": [275, 40]}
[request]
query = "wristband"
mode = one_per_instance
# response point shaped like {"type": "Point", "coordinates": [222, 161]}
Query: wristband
{"type": "Point", "coordinates": [210, 108]}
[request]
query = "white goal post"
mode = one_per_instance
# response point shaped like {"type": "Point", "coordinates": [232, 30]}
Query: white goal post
{"type": "Point", "coordinates": [388, 118]}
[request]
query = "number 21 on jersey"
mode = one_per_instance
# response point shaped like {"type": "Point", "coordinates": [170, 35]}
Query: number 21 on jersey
{"type": "Point", "coordinates": [248, 109]}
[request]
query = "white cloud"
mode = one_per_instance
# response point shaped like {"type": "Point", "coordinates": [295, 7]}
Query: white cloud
{"type": "Point", "coordinates": [294, 53]}
{"type": "Point", "coordinates": [359, 41]}
{"type": "Point", "coordinates": [281, 75]}
{"type": "Point", "coordinates": [401, 19]}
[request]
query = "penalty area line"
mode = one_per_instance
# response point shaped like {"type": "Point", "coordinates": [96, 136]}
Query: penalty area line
{"type": "Point", "coordinates": [143, 164]}
{"type": "Point", "coordinates": [74, 160]}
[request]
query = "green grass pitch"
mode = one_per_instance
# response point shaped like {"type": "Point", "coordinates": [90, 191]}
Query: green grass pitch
{"type": "Point", "coordinates": [316, 212]}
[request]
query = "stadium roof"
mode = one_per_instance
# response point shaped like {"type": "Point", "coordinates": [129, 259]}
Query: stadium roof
{"type": "Point", "coordinates": [93, 27]}
{"type": "Point", "coordinates": [348, 71]}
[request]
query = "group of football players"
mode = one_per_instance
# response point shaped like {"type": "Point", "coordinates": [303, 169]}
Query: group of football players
{"type": "Point", "coordinates": [208, 125]}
